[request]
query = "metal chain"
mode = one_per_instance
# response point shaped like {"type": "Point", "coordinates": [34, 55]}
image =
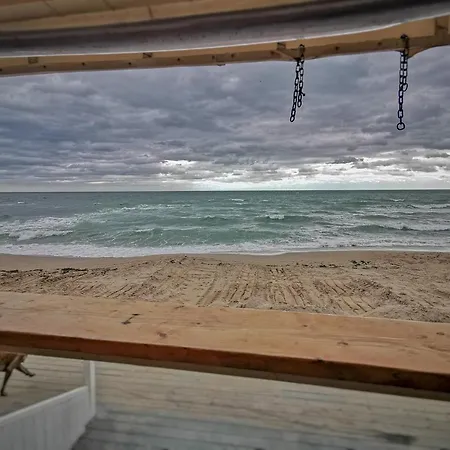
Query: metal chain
{"type": "Point", "coordinates": [402, 81]}
{"type": "Point", "coordinates": [298, 94]}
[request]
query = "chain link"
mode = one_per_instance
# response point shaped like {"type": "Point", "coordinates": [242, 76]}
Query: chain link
{"type": "Point", "coordinates": [402, 81]}
{"type": "Point", "coordinates": [298, 94]}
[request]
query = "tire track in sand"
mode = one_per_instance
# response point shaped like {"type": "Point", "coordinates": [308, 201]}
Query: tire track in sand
{"type": "Point", "coordinates": [214, 289]}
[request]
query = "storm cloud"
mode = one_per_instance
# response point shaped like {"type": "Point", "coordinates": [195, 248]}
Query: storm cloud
{"type": "Point", "coordinates": [228, 127]}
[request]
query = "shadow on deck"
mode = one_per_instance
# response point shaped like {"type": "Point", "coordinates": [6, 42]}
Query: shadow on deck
{"type": "Point", "coordinates": [159, 409]}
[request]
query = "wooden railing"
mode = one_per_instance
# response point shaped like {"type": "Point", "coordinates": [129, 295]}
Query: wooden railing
{"type": "Point", "coordinates": [362, 353]}
{"type": "Point", "coordinates": [56, 423]}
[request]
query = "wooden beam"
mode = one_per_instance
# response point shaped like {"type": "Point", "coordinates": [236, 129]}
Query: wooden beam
{"type": "Point", "coordinates": [208, 57]}
{"type": "Point", "coordinates": [424, 34]}
{"type": "Point", "coordinates": [371, 354]}
{"type": "Point", "coordinates": [84, 14]}
{"type": "Point", "coordinates": [281, 50]}
{"type": "Point", "coordinates": [15, 2]}
{"type": "Point", "coordinates": [207, 30]}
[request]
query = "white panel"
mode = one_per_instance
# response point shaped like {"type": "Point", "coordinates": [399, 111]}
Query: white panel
{"type": "Point", "coordinates": [56, 423]}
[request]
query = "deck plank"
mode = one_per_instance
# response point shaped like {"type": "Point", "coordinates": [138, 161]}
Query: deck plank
{"type": "Point", "coordinates": [265, 344]}
{"type": "Point", "coordinates": [154, 408]}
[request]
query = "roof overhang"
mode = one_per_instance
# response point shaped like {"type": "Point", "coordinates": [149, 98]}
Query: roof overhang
{"type": "Point", "coordinates": [39, 36]}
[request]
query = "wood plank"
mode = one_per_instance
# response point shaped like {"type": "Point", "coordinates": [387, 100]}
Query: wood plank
{"type": "Point", "coordinates": [59, 14]}
{"type": "Point", "coordinates": [330, 350]}
{"type": "Point", "coordinates": [195, 31]}
{"type": "Point", "coordinates": [316, 48]}
{"type": "Point", "coordinates": [149, 401]}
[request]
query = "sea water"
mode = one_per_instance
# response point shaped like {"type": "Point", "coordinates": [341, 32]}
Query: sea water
{"type": "Point", "coordinates": [145, 223]}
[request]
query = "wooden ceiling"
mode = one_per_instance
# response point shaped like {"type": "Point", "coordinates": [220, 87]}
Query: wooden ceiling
{"type": "Point", "coordinates": [40, 36]}
{"type": "Point", "coordinates": [50, 14]}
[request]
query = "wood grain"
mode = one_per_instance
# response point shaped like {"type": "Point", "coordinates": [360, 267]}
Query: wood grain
{"type": "Point", "coordinates": [265, 344]}
{"type": "Point", "coordinates": [36, 16]}
{"type": "Point", "coordinates": [145, 407]}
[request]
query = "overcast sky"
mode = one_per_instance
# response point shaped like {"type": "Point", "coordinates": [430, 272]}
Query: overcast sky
{"type": "Point", "coordinates": [228, 127]}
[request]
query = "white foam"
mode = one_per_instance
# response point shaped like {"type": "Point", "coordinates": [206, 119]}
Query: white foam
{"type": "Point", "coordinates": [47, 226]}
{"type": "Point", "coordinates": [92, 251]}
{"type": "Point", "coordinates": [276, 216]}
{"type": "Point", "coordinates": [33, 234]}
{"type": "Point", "coordinates": [42, 227]}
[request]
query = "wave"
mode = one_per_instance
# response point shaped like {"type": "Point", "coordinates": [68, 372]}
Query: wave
{"type": "Point", "coordinates": [154, 230]}
{"type": "Point", "coordinates": [251, 223]}
{"type": "Point", "coordinates": [428, 207]}
{"type": "Point", "coordinates": [374, 228]}
{"type": "Point", "coordinates": [375, 216]}
{"type": "Point", "coordinates": [51, 224]}
{"type": "Point", "coordinates": [45, 227]}
{"type": "Point", "coordinates": [28, 235]}
{"type": "Point", "coordinates": [250, 248]}
{"type": "Point", "coordinates": [156, 208]}
{"type": "Point", "coordinates": [212, 220]}
{"type": "Point", "coordinates": [39, 225]}
{"type": "Point", "coordinates": [440, 206]}
{"type": "Point", "coordinates": [277, 218]}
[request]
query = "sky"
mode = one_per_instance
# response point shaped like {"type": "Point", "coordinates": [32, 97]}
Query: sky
{"type": "Point", "coordinates": [221, 128]}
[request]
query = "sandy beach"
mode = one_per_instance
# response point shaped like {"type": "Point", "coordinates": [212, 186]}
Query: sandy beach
{"type": "Point", "coordinates": [402, 285]}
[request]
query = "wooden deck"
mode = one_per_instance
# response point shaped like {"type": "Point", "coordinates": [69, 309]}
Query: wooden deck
{"type": "Point", "coordinates": [151, 408]}
{"type": "Point", "coordinates": [329, 350]}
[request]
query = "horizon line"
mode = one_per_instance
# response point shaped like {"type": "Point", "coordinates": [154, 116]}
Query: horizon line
{"type": "Point", "coordinates": [223, 190]}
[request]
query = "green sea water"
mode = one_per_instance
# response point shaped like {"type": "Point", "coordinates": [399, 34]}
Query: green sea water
{"type": "Point", "coordinates": [144, 223]}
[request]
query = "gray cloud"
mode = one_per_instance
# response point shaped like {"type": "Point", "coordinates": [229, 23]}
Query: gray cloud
{"type": "Point", "coordinates": [347, 160]}
{"type": "Point", "coordinates": [227, 125]}
{"type": "Point", "coordinates": [438, 155]}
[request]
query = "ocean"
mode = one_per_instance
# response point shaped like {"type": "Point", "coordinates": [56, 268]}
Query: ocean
{"type": "Point", "coordinates": [146, 223]}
